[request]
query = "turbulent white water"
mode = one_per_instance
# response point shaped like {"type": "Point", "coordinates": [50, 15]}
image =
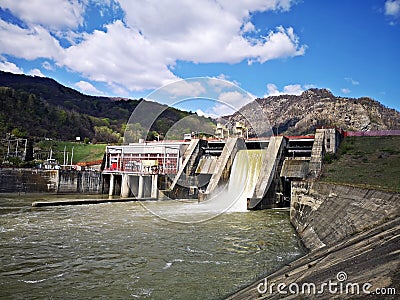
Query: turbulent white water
{"type": "Point", "coordinates": [231, 197]}
{"type": "Point", "coordinates": [245, 172]}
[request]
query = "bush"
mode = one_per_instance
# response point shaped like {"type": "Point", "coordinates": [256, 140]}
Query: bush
{"type": "Point", "coordinates": [330, 157]}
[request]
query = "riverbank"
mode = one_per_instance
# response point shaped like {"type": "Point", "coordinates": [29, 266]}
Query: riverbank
{"type": "Point", "coordinates": [352, 233]}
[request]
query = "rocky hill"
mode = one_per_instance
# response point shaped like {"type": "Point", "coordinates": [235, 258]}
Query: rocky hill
{"type": "Point", "coordinates": [296, 115]}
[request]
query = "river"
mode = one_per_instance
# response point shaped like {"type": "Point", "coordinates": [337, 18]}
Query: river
{"type": "Point", "coordinates": [124, 251]}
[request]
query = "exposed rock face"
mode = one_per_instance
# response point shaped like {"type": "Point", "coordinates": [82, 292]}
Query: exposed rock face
{"type": "Point", "coordinates": [314, 108]}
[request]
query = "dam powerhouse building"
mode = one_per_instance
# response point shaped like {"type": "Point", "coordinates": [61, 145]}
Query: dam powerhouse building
{"type": "Point", "coordinates": [195, 168]}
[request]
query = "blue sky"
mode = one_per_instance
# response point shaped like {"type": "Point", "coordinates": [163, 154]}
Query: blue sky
{"type": "Point", "coordinates": [131, 48]}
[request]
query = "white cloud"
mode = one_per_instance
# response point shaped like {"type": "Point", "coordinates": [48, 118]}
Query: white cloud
{"type": "Point", "coordinates": [272, 90]}
{"type": "Point", "coordinates": [121, 56]}
{"type": "Point", "coordinates": [223, 110]}
{"type": "Point", "coordinates": [53, 14]}
{"type": "Point", "coordinates": [140, 52]}
{"type": "Point", "coordinates": [10, 67]}
{"type": "Point", "coordinates": [229, 102]}
{"type": "Point", "coordinates": [183, 31]}
{"type": "Point", "coordinates": [345, 91]}
{"type": "Point", "coordinates": [392, 8]}
{"type": "Point", "coordinates": [28, 43]}
{"type": "Point", "coordinates": [87, 88]}
{"type": "Point", "coordinates": [235, 98]}
{"type": "Point", "coordinates": [201, 113]}
{"type": "Point", "coordinates": [291, 89]}
{"type": "Point", "coordinates": [184, 88]}
{"type": "Point", "coordinates": [48, 66]}
{"type": "Point", "coordinates": [248, 27]}
{"type": "Point", "coordinates": [36, 72]}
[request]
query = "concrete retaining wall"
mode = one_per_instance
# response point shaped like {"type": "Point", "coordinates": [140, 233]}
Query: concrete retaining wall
{"type": "Point", "coordinates": [79, 182]}
{"type": "Point", "coordinates": [49, 181]}
{"type": "Point", "coordinates": [324, 214]}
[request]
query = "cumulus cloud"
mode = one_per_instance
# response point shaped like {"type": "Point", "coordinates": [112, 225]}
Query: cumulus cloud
{"type": "Point", "coordinates": [392, 8]}
{"type": "Point", "coordinates": [48, 66]}
{"type": "Point", "coordinates": [7, 66]}
{"type": "Point", "coordinates": [87, 88]}
{"type": "Point", "coordinates": [53, 14]}
{"type": "Point", "coordinates": [235, 98]}
{"type": "Point", "coordinates": [141, 51]}
{"type": "Point", "coordinates": [291, 89]}
{"type": "Point", "coordinates": [345, 91]}
{"type": "Point", "coordinates": [36, 72]}
{"type": "Point", "coordinates": [120, 55]}
{"type": "Point", "coordinates": [201, 113]}
{"type": "Point", "coordinates": [30, 43]}
{"type": "Point", "coordinates": [184, 89]}
{"type": "Point", "coordinates": [230, 102]}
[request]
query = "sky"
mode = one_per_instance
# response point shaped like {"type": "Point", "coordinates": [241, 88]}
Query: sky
{"type": "Point", "coordinates": [135, 48]}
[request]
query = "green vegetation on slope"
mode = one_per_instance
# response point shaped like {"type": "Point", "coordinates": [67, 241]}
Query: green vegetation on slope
{"type": "Point", "coordinates": [372, 162]}
{"type": "Point", "coordinates": [38, 107]}
{"type": "Point", "coordinates": [82, 152]}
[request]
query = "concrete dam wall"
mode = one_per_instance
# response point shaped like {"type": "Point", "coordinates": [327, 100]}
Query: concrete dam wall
{"type": "Point", "coordinates": [49, 181]}
{"type": "Point", "coordinates": [202, 169]}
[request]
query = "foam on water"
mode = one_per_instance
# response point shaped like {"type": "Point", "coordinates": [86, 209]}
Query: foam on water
{"type": "Point", "coordinates": [245, 172]}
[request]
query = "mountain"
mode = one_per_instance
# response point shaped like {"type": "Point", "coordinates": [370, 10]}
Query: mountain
{"type": "Point", "coordinates": [41, 107]}
{"type": "Point", "coordinates": [297, 115]}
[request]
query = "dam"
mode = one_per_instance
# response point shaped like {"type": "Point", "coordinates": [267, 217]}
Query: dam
{"type": "Point", "coordinates": [257, 171]}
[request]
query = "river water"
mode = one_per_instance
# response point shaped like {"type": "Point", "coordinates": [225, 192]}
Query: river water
{"type": "Point", "coordinates": [123, 251]}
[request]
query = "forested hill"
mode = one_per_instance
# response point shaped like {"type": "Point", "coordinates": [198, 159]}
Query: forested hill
{"type": "Point", "coordinates": [41, 107]}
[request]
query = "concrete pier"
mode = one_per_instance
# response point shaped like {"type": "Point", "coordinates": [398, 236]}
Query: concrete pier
{"type": "Point", "coordinates": [188, 156]}
{"type": "Point", "coordinates": [224, 163]}
{"type": "Point", "coordinates": [140, 188]}
{"type": "Point", "coordinates": [270, 172]}
{"type": "Point", "coordinates": [134, 185]}
{"type": "Point", "coordinates": [125, 190]}
{"type": "Point", "coordinates": [111, 186]}
{"type": "Point", "coordinates": [154, 187]}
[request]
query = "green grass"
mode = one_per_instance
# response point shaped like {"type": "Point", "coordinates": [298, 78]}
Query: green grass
{"type": "Point", "coordinates": [372, 162]}
{"type": "Point", "coordinates": [82, 152]}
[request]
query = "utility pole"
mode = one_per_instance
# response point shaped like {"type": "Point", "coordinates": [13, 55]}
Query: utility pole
{"type": "Point", "coordinates": [16, 149]}
{"type": "Point", "coordinates": [26, 145]}
{"type": "Point", "coordinates": [72, 154]}
{"type": "Point", "coordinates": [65, 148]}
